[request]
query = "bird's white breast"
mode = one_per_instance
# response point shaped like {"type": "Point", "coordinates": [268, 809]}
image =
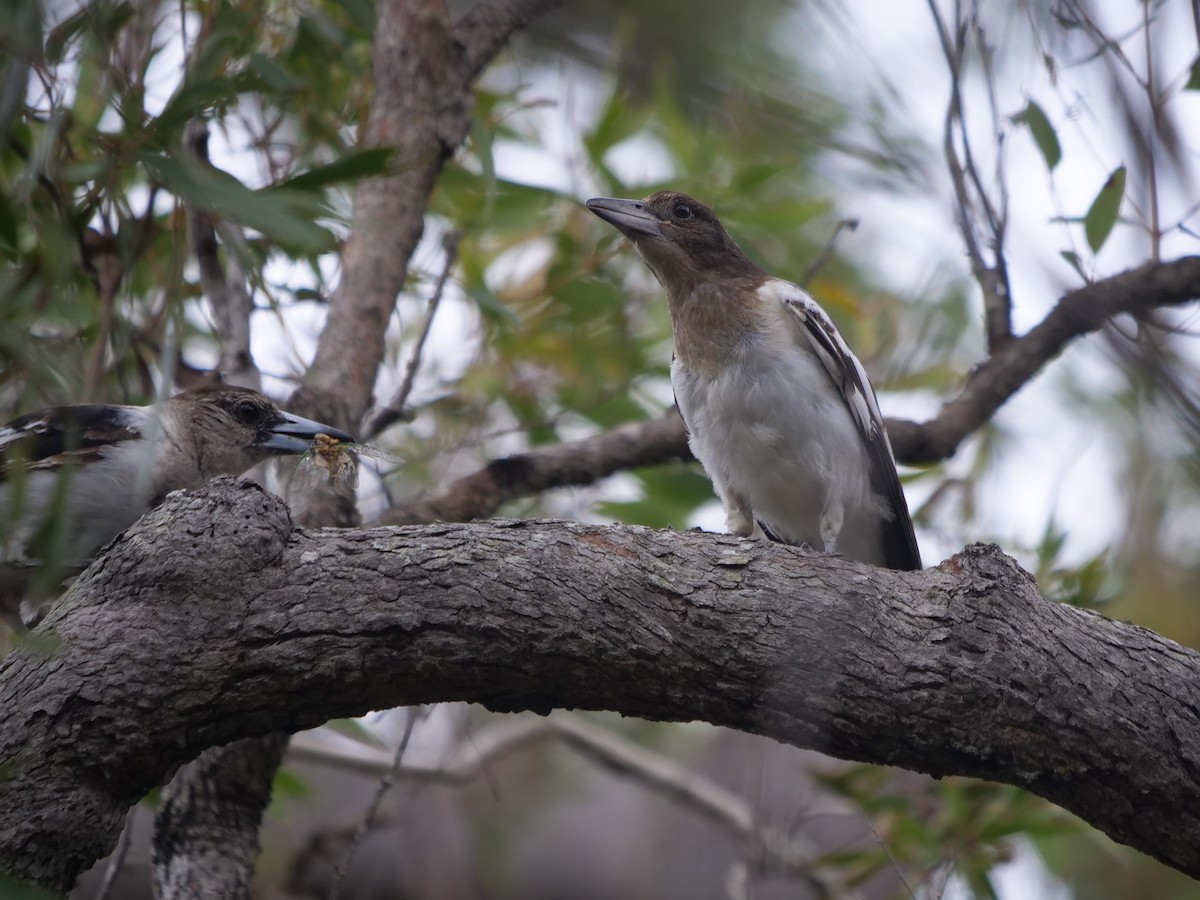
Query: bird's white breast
{"type": "Point", "coordinates": [771, 427]}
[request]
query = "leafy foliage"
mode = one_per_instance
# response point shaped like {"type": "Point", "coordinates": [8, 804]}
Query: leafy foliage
{"type": "Point", "coordinates": [1102, 215]}
{"type": "Point", "coordinates": [1043, 133]}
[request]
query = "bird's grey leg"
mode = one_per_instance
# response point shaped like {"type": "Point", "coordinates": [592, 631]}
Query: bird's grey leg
{"type": "Point", "coordinates": [739, 519]}
{"type": "Point", "coordinates": [832, 516]}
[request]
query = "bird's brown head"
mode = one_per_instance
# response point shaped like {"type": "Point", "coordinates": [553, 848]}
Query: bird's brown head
{"type": "Point", "coordinates": [680, 238]}
{"type": "Point", "coordinates": [232, 428]}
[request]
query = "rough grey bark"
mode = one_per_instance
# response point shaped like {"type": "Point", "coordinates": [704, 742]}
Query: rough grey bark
{"type": "Point", "coordinates": [425, 63]}
{"type": "Point", "coordinates": [214, 620]}
{"type": "Point", "coordinates": [206, 829]}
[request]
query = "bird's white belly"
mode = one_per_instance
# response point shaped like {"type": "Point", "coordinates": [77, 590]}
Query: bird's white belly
{"type": "Point", "coordinates": [774, 432]}
{"type": "Point", "coordinates": [101, 499]}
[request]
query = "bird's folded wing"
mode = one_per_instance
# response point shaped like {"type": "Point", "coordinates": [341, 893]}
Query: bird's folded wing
{"type": "Point", "coordinates": [850, 378]}
{"type": "Point", "coordinates": [51, 438]}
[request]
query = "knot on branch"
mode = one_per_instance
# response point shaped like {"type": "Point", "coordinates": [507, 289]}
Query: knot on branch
{"type": "Point", "coordinates": [987, 563]}
{"type": "Point", "coordinates": [229, 526]}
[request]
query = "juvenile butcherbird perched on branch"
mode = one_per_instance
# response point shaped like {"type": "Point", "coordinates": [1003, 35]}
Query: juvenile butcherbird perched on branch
{"type": "Point", "coordinates": [93, 470]}
{"type": "Point", "coordinates": [778, 410]}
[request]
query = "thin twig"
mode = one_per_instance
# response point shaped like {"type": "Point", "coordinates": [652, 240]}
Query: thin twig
{"type": "Point", "coordinates": [102, 256]}
{"type": "Point", "coordinates": [396, 410]}
{"type": "Point", "coordinates": [225, 286]}
{"type": "Point", "coordinates": [888, 853]}
{"type": "Point", "coordinates": [775, 850]}
{"type": "Point", "coordinates": [118, 857]}
{"type": "Point", "coordinates": [827, 251]}
{"type": "Point", "coordinates": [964, 175]}
{"type": "Point", "coordinates": [1152, 138]}
{"type": "Point", "coordinates": [385, 784]}
{"type": "Point", "coordinates": [1104, 43]}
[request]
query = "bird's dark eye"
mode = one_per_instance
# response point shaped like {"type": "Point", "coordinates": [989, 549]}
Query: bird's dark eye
{"type": "Point", "coordinates": [247, 412]}
{"type": "Point", "coordinates": [683, 211]}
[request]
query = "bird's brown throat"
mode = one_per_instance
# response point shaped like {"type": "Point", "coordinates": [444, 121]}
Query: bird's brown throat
{"type": "Point", "coordinates": [711, 323]}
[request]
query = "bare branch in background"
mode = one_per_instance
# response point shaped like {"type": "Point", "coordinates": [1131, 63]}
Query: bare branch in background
{"type": "Point", "coordinates": [827, 251]}
{"type": "Point", "coordinates": [986, 389]}
{"type": "Point", "coordinates": [996, 379]}
{"type": "Point", "coordinates": [773, 849]}
{"type": "Point", "coordinates": [386, 781]}
{"type": "Point", "coordinates": [397, 408]}
{"type": "Point", "coordinates": [574, 463]}
{"type": "Point", "coordinates": [486, 27]}
{"type": "Point", "coordinates": [206, 828]}
{"type": "Point", "coordinates": [226, 291]}
{"type": "Point", "coordinates": [118, 858]}
{"type": "Point", "coordinates": [969, 190]}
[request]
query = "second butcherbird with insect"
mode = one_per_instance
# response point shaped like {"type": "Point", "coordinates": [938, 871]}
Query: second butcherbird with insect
{"type": "Point", "coordinates": [778, 410]}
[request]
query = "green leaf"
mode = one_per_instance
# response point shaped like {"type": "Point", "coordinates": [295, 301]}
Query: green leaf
{"type": "Point", "coordinates": [192, 99]}
{"type": "Point", "coordinates": [620, 120]}
{"type": "Point", "coordinates": [273, 75]}
{"type": "Point", "coordinates": [492, 306]}
{"type": "Point", "coordinates": [353, 166]}
{"type": "Point", "coordinates": [1043, 133]}
{"type": "Point", "coordinates": [287, 785]}
{"type": "Point", "coordinates": [1102, 216]}
{"type": "Point", "coordinates": [8, 226]}
{"type": "Point", "coordinates": [1193, 82]}
{"type": "Point", "coordinates": [1072, 259]}
{"type": "Point", "coordinates": [285, 216]}
{"type": "Point", "coordinates": [65, 32]}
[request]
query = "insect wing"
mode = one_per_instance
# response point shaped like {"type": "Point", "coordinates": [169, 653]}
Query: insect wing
{"type": "Point", "coordinates": [374, 453]}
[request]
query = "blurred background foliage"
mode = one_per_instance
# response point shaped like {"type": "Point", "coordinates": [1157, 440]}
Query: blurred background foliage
{"type": "Point", "coordinates": [552, 330]}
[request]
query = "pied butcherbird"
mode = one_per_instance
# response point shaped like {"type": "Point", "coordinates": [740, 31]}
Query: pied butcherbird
{"type": "Point", "coordinates": [73, 477]}
{"type": "Point", "coordinates": [778, 410]}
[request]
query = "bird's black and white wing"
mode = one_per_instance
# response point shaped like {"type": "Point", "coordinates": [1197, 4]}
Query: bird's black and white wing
{"type": "Point", "coordinates": [850, 378]}
{"type": "Point", "coordinates": [90, 460]}
{"type": "Point", "coordinates": [49, 439]}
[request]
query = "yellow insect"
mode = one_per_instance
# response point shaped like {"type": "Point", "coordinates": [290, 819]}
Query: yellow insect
{"type": "Point", "coordinates": [332, 460]}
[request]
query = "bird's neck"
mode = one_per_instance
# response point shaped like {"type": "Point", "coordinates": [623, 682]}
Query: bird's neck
{"type": "Point", "coordinates": [714, 322]}
{"type": "Point", "coordinates": [178, 449]}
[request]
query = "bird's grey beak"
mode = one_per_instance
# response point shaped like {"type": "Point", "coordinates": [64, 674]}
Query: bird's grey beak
{"type": "Point", "coordinates": [295, 434]}
{"type": "Point", "coordinates": [630, 217]}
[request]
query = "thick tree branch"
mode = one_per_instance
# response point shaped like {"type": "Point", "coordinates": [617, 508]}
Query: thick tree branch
{"type": "Point", "coordinates": [994, 381]}
{"type": "Point", "coordinates": [213, 620]}
{"type": "Point", "coordinates": [484, 29]}
{"type": "Point", "coordinates": [482, 493]}
{"type": "Point", "coordinates": [987, 388]}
